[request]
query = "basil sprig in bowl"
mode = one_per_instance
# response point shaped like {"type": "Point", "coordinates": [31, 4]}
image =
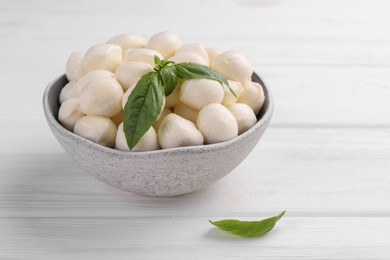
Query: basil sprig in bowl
{"type": "Point", "coordinates": [167, 172]}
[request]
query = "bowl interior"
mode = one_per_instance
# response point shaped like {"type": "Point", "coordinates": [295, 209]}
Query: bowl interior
{"type": "Point", "coordinates": [51, 103]}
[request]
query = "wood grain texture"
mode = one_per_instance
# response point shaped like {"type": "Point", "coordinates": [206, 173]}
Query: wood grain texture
{"type": "Point", "coordinates": [308, 171]}
{"type": "Point", "coordinates": [281, 32]}
{"type": "Point", "coordinates": [325, 158]}
{"type": "Point", "coordinates": [192, 238]}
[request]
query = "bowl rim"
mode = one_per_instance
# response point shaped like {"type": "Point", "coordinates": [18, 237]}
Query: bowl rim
{"type": "Point", "coordinates": [266, 112]}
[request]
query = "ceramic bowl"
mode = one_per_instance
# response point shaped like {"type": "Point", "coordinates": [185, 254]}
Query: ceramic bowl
{"type": "Point", "coordinates": [168, 172]}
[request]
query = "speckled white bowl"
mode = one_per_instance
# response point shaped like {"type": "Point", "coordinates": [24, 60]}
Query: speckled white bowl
{"type": "Point", "coordinates": [167, 172]}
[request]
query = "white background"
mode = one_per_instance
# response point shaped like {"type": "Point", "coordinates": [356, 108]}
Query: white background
{"type": "Point", "coordinates": [325, 158]}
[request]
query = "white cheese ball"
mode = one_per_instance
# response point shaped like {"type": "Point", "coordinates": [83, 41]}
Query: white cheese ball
{"type": "Point", "coordinates": [186, 112]}
{"type": "Point", "coordinates": [252, 95]}
{"type": "Point", "coordinates": [189, 57]}
{"type": "Point", "coordinates": [128, 41]}
{"type": "Point", "coordinates": [196, 93]}
{"type": "Point", "coordinates": [234, 66]}
{"type": "Point", "coordinates": [126, 95]}
{"type": "Point", "coordinates": [244, 115]}
{"type": "Point", "coordinates": [163, 114]}
{"type": "Point", "coordinates": [148, 141]}
{"type": "Point", "coordinates": [166, 43]}
{"type": "Point", "coordinates": [97, 129]}
{"type": "Point", "coordinates": [176, 131]}
{"type": "Point", "coordinates": [102, 97]}
{"type": "Point", "coordinates": [118, 118]}
{"type": "Point", "coordinates": [73, 68]}
{"type": "Point", "coordinates": [103, 56]}
{"type": "Point", "coordinates": [129, 72]}
{"type": "Point", "coordinates": [70, 113]}
{"type": "Point", "coordinates": [229, 98]}
{"type": "Point", "coordinates": [142, 55]}
{"type": "Point", "coordinates": [212, 53]}
{"type": "Point", "coordinates": [91, 76]}
{"type": "Point", "coordinates": [162, 109]}
{"type": "Point", "coordinates": [217, 123]}
{"type": "Point", "coordinates": [68, 91]}
{"type": "Point", "coordinates": [195, 48]}
{"type": "Point", "coordinates": [173, 98]}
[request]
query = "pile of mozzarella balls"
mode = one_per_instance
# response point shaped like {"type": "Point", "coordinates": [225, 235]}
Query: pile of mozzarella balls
{"type": "Point", "coordinates": [199, 111]}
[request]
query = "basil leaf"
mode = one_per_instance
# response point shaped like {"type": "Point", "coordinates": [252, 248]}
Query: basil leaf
{"type": "Point", "coordinates": [168, 78]}
{"type": "Point", "coordinates": [142, 108]}
{"type": "Point", "coordinates": [160, 63]}
{"type": "Point", "coordinates": [157, 61]}
{"type": "Point", "coordinates": [189, 70]}
{"type": "Point", "coordinates": [145, 101]}
{"type": "Point", "coordinates": [248, 228]}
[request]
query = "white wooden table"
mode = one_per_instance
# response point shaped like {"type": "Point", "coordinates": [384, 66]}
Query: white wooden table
{"type": "Point", "coordinates": [325, 158]}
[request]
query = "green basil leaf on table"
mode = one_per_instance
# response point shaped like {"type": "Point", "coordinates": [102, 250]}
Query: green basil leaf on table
{"type": "Point", "coordinates": [248, 228]}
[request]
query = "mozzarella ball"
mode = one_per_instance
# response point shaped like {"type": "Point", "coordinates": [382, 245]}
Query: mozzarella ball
{"type": "Point", "coordinates": [68, 91]}
{"type": "Point", "coordinates": [252, 95]}
{"type": "Point", "coordinates": [195, 48]}
{"type": "Point", "coordinates": [176, 131]}
{"type": "Point", "coordinates": [163, 114]}
{"type": "Point", "coordinates": [129, 72]}
{"type": "Point", "coordinates": [118, 118]}
{"type": "Point", "coordinates": [102, 56]}
{"type": "Point", "coordinates": [73, 68]}
{"type": "Point", "coordinates": [229, 98]}
{"type": "Point", "coordinates": [189, 57]}
{"type": "Point", "coordinates": [70, 113]}
{"type": "Point", "coordinates": [97, 129]}
{"type": "Point", "coordinates": [162, 109]}
{"type": "Point", "coordinates": [173, 98]}
{"type": "Point", "coordinates": [127, 95]}
{"type": "Point", "coordinates": [166, 43]}
{"type": "Point", "coordinates": [186, 112]}
{"type": "Point", "coordinates": [142, 55]}
{"type": "Point", "coordinates": [120, 140]}
{"type": "Point", "coordinates": [244, 115]}
{"type": "Point", "coordinates": [212, 53]}
{"type": "Point", "coordinates": [196, 93]}
{"type": "Point", "coordinates": [234, 66]}
{"type": "Point", "coordinates": [147, 142]}
{"type": "Point", "coordinates": [91, 76]}
{"type": "Point", "coordinates": [128, 41]}
{"type": "Point", "coordinates": [101, 97]}
{"type": "Point", "coordinates": [217, 123]}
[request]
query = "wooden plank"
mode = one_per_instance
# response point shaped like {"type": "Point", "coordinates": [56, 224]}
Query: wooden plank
{"type": "Point", "coordinates": [271, 33]}
{"type": "Point", "coordinates": [329, 96]}
{"type": "Point", "coordinates": [191, 238]}
{"type": "Point", "coordinates": [307, 171]}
